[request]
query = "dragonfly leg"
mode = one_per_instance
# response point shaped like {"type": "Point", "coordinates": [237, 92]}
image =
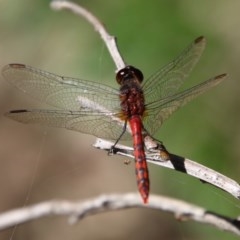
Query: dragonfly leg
{"type": "Point", "coordinates": [113, 149]}
{"type": "Point", "coordinates": [154, 145]}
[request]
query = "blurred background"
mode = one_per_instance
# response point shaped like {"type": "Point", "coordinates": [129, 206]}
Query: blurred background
{"type": "Point", "coordinates": [39, 164]}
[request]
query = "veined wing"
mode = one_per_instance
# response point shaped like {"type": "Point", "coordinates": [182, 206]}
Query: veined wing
{"type": "Point", "coordinates": [159, 111]}
{"type": "Point", "coordinates": [104, 125]}
{"type": "Point", "coordinates": [167, 81]}
{"type": "Point", "coordinates": [61, 92]}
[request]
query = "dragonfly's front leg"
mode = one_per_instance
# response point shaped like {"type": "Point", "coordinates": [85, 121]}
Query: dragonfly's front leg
{"type": "Point", "coordinates": [155, 147]}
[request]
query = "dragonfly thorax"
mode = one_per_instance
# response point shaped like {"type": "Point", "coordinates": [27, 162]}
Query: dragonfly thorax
{"type": "Point", "coordinates": [132, 100]}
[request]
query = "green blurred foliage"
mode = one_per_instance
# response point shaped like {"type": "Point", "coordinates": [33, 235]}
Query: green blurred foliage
{"type": "Point", "coordinates": [150, 34]}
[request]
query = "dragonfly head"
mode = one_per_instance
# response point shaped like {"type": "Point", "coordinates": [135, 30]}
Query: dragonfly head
{"type": "Point", "coordinates": [129, 73]}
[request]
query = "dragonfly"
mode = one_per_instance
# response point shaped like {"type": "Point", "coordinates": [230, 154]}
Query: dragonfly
{"type": "Point", "coordinates": [111, 113]}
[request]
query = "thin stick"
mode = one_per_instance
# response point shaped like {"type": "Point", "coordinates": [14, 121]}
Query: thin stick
{"type": "Point", "coordinates": [79, 210]}
{"type": "Point", "coordinates": [181, 164]}
{"type": "Point", "coordinates": [109, 40]}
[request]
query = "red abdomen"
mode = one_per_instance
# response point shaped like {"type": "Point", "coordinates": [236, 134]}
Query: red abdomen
{"type": "Point", "coordinates": [140, 157]}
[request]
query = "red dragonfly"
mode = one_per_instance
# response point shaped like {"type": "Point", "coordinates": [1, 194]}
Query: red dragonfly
{"type": "Point", "coordinates": [105, 112]}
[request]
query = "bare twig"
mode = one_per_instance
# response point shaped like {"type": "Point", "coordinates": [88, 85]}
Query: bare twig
{"type": "Point", "coordinates": [180, 164]}
{"type": "Point", "coordinates": [109, 40]}
{"type": "Point", "coordinates": [79, 210]}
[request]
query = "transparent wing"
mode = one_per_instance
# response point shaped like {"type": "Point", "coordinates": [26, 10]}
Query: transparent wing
{"type": "Point", "coordinates": [86, 106]}
{"type": "Point", "coordinates": [61, 92]}
{"type": "Point", "coordinates": [167, 80]}
{"type": "Point", "coordinates": [161, 110]}
{"type": "Point", "coordinates": [105, 126]}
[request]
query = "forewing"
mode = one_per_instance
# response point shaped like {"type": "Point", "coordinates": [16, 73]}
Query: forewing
{"type": "Point", "coordinates": [167, 81]}
{"type": "Point", "coordinates": [159, 111]}
{"type": "Point", "coordinates": [61, 92]}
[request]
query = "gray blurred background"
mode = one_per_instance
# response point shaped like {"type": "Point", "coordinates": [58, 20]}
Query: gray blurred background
{"type": "Point", "coordinates": [39, 164]}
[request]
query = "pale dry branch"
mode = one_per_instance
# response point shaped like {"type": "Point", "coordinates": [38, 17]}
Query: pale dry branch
{"type": "Point", "coordinates": [109, 40]}
{"type": "Point", "coordinates": [181, 164]}
{"type": "Point", "coordinates": [77, 211]}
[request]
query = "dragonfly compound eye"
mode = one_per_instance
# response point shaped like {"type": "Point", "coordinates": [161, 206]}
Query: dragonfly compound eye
{"type": "Point", "coordinates": [138, 74]}
{"type": "Point", "coordinates": [128, 73]}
